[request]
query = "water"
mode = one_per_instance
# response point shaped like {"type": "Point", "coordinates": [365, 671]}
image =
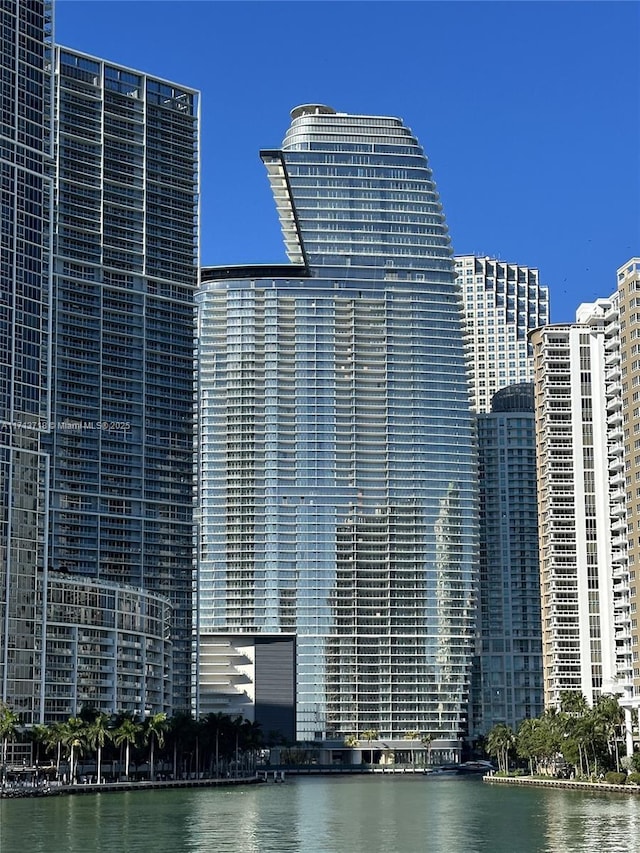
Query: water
{"type": "Point", "coordinates": [327, 815]}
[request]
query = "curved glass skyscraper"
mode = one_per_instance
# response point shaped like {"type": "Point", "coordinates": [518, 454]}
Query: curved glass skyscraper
{"type": "Point", "coordinates": [337, 459]}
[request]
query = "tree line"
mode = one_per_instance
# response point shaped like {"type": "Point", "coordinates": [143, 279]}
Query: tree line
{"type": "Point", "coordinates": [181, 746]}
{"type": "Point", "coordinates": [574, 739]}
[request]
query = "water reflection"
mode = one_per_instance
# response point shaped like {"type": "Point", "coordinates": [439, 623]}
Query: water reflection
{"type": "Point", "coordinates": [593, 824]}
{"type": "Point", "coordinates": [252, 820]}
{"type": "Point", "coordinates": [336, 815]}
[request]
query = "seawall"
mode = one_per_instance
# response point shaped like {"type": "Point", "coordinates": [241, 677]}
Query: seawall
{"type": "Point", "coordinates": [593, 787]}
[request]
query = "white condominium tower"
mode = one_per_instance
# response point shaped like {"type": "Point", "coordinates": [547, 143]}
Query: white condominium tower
{"type": "Point", "coordinates": [578, 422]}
{"type": "Point", "coordinates": [503, 302]}
{"type": "Point", "coordinates": [337, 459]}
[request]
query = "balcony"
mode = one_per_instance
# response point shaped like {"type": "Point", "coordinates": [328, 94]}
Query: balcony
{"type": "Point", "coordinates": [615, 417]}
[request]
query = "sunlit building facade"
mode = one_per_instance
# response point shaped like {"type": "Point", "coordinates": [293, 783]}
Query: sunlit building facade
{"type": "Point", "coordinates": [337, 455]}
{"type": "Point", "coordinates": [622, 366]}
{"type": "Point", "coordinates": [578, 492]}
{"type": "Point", "coordinates": [503, 303]}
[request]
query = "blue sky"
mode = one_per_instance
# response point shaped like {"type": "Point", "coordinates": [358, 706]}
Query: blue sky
{"type": "Point", "coordinates": [528, 111]}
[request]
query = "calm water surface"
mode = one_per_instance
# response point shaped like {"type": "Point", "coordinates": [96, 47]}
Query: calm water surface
{"type": "Point", "coordinates": [327, 815]}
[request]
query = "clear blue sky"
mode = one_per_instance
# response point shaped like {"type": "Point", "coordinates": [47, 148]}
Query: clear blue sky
{"type": "Point", "coordinates": [529, 113]}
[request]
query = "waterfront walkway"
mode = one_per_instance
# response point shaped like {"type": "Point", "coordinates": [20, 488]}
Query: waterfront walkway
{"type": "Point", "coordinates": [593, 787]}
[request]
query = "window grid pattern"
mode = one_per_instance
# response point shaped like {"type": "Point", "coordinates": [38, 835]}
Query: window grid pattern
{"type": "Point", "coordinates": [508, 688]}
{"type": "Point", "coordinates": [503, 303]}
{"type": "Point", "coordinates": [25, 196]}
{"type": "Point", "coordinates": [337, 460]}
{"type": "Point", "coordinates": [126, 258]}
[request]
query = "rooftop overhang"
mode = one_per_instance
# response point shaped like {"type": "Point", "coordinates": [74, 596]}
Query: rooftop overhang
{"type": "Point", "coordinates": [279, 180]}
{"type": "Point", "coordinates": [253, 271]}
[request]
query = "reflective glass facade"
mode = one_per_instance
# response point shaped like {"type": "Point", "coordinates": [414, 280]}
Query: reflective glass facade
{"type": "Point", "coordinates": [126, 259]}
{"type": "Point", "coordinates": [507, 684]}
{"type": "Point", "coordinates": [337, 458]}
{"type": "Point", "coordinates": [108, 648]}
{"type": "Point", "coordinates": [24, 298]}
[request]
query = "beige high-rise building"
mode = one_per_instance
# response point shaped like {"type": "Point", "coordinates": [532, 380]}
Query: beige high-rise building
{"type": "Point", "coordinates": [628, 298]}
{"type": "Point", "coordinates": [576, 572]}
{"type": "Point", "coordinates": [587, 377]}
{"type": "Point", "coordinates": [503, 302]}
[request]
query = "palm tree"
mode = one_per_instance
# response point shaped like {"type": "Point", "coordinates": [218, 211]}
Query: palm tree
{"type": "Point", "coordinates": [412, 734]}
{"type": "Point", "coordinates": [9, 721]}
{"type": "Point", "coordinates": [155, 728]}
{"type": "Point", "coordinates": [74, 737]}
{"type": "Point", "coordinates": [220, 725]}
{"type": "Point", "coordinates": [236, 727]}
{"type": "Point", "coordinates": [500, 741]}
{"type": "Point", "coordinates": [54, 739]}
{"type": "Point", "coordinates": [610, 717]}
{"type": "Point", "coordinates": [529, 742]}
{"type": "Point", "coordinates": [427, 740]}
{"type": "Point", "coordinates": [369, 735]}
{"type": "Point", "coordinates": [127, 733]}
{"type": "Point", "coordinates": [39, 735]}
{"type": "Point", "coordinates": [182, 733]}
{"type": "Point", "coordinates": [97, 735]}
{"type": "Point", "coordinates": [251, 739]}
{"type": "Point", "coordinates": [573, 702]}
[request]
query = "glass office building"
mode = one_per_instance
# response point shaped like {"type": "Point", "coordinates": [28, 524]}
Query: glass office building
{"type": "Point", "coordinates": [24, 299]}
{"type": "Point", "coordinates": [337, 458]}
{"type": "Point", "coordinates": [126, 262]}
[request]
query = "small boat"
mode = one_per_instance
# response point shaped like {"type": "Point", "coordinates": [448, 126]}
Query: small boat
{"type": "Point", "coordinates": [481, 767]}
{"type": "Point", "coordinates": [442, 770]}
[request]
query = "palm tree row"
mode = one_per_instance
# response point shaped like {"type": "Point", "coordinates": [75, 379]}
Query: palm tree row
{"type": "Point", "coordinates": [585, 738]}
{"type": "Point", "coordinates": [214, 745]}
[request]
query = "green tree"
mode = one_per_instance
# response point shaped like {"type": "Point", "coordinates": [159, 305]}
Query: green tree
{"type": "Point", "coordinates": [74, 737]}
{"type": "Point", "coordinates": [181, 736]}
{"type": "Point", "coordinates": [236, 729]}
{"type": "Point", "coordinates": [573, 702]}
{"type": "Point", "coordinates": [609, 718]}
{"type": "Point", "coordinates": [53, 740]}
{"type": "Point", "coordinates": [530, 742]}
{"type": "Point", "coordinates": [9, 722]}
{"type": "Point", "coordinates": [98, 734]}
{"type": "Point", "coordinates": [250, 740]}
{"type": "Point", "coordinates": [427, 739]}
{"type": "Point", "coordinates": [219, 730]}
{"type": "Point", "coordinates": [154, 732]}
{"type": "Point", "coordinates": [39, 735]}
{"type": "Point", "coordinates": [369, 735]}
{"type": "Point", "coordinates": [500, 742]}
{"type": "Point", "coordinates": [127, 734]}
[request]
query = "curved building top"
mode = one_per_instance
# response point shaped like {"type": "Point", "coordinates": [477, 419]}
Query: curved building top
{"type": "Point", "coordinates": [357, 191]}
{"type": "Point", "coordinates": [311, 109]}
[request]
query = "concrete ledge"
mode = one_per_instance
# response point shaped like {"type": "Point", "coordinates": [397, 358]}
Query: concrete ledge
{"type": "Point", "coordinates": [594, 787]}
{"type": "Point", "coordinates": [18, 792]}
